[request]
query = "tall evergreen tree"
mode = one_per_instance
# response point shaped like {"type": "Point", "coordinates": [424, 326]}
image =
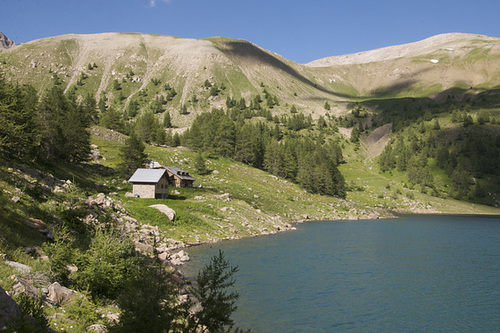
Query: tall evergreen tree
{"type": "Point", "coordinates": [132, 155]}
{"type": "Point", "coordinates": [167, 121]}
{"type": "Point", "coordinates": [225, 138]}
{"type": "Point", "coordinates": [63, 127]}
{"type": "Point", "coordinates": [145, 127]}
{"type": "Point", "coordinates": [111, 119]}
{"type": "Point", "coordinates": [199, 163]}
{"type": "Point", "coordinates": [18, 128]}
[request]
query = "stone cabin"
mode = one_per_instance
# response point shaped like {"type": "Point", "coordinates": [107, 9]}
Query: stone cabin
{"type": "Point", "coordinates": [150, 183]}
{"type": "Point", "coordinates": [180, 178]}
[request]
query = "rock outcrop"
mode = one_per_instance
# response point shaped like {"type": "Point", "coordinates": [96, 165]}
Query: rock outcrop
{"type": "Point", "coordinates": [9, 310]}
{"type": "Point", "coordinates": [5, 42]}
{"type": "Point", "coordinates": [60, 294]}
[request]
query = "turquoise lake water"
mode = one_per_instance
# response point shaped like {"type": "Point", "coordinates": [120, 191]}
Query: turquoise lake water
{"type": "Point", "coordinates": [412, 274]}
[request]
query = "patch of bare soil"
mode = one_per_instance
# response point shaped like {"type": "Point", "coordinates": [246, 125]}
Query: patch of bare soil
{"type": "Point", "coordinates": [377, 140]}
{"type": "Point", "coordinates": [346, 132]}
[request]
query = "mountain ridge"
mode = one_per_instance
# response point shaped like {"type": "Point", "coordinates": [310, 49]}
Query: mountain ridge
{"type": "Point", "coordinates": [428, 45]}
{"type": "Point", "coordinates": [428, 68]}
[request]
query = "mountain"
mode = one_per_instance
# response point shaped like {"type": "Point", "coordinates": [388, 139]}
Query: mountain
{"type": "Point", "coordinates": [421, 69]}
{"type": "Point", "coordinates": [5, 42]}
{"type": "Point", "coordinates": [456, 44]}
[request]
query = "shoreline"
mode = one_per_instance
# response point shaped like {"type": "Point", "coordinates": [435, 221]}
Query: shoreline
{"type": "Point", "coordinates": [393, 215]}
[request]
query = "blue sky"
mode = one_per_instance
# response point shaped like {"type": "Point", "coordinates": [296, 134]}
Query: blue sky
{"type": "Point", "coordinates": [301, 31]}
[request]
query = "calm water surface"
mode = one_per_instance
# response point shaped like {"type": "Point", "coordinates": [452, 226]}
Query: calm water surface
{"type": "Point", "coordinates": [413, 274]}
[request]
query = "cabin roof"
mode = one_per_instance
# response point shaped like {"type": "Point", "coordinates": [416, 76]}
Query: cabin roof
{"type": "Point", "coordinates": [147, 175]}
{"type": "Point", "coordinates": [179, 173]}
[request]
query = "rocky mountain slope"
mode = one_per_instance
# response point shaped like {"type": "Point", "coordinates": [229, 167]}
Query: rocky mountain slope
{"type": "Point", "coordinates": [456, 44]}
{"type": "Point", "coordinates": [5, 42]}
{"type": "Point", "coordinates": [91, 63]}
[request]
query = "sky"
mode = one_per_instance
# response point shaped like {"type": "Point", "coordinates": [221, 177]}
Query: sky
{"type": "Point", "coordinates": [299, 30]}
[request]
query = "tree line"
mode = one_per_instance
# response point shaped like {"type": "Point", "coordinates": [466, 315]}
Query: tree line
{"type": "Point", "coordinates": [54, 127]}
{"type": "Point", "coordinates": [468, 155]}
{"type": "Point", "coordinates": [311, 164]}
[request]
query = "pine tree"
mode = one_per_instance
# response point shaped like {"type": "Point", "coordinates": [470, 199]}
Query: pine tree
{"type": "Point", "coordinates": [225, 138]}
{"type": "Point", "coordinates": [89, 108]}
{"type": "Point", "coordinates": [18, 128]}
{"type": "Point", "coordinates": [199, 164]}
{"type": "Point", "coordinates": [211, 291]}
{"type": "Point", "coordinates": [63, 128]}
{"type": "Point", "coordinates": [436, 126]}
{"type": "Point", "coordinates": [132, 155]}
{"type": "Point", "coordinates": [111, 119]}
{"type": "Point", "coordinates": [167, 121]}
{"type": "Point", "coordinates": [145, 127]}
{"type": "Point", "coordinates": [176, 140]}
{"type": "Point", "coordinates": [248, 146]}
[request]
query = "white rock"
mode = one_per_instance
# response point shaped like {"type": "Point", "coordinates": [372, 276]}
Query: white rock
{"type": "Point", "coordinates": [169, 212]}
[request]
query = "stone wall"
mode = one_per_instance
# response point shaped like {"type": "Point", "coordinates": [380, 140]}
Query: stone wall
{"type": "Point", "coordinates": [162, 187]}
{"type": "Point", "coordinates": [144, 190]}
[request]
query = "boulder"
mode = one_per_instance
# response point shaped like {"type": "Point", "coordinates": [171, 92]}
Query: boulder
{"type": "Point", "coordinates": [169, 212]}
{"type": "Point", "coordinates": [58, 189]}
{"type": "Point", "coordinates": [144, 248]}
{"type": "Point", "coordinates": [36, 223]}
{"type": "Point", "coordinates": [9, 310]}
{"type": "Point", "coordinates": [22, 286]}
{"type": "Point", "coordinates": [182, 256]}
{"type": "Point", "coordinates": [100, 198]}
{"type": "Point", "coordinates": [60, 294]}
{"type": "Point", "coordinates": [163, 256]}
{"type": "Point", "coordinates": [21, 268]}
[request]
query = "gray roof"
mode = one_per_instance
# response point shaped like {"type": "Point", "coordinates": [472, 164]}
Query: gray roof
{"type": "Point", "coordinates": [180, 173]}
{"type": "Point", "coordinates": [147, 175]}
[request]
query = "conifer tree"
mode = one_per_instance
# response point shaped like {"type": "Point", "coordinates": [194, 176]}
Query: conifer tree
{"type": "Point", "coordinates": [111, 119]}
{"type": "Point", "coordinates": [145, 127]}
{"type": "Point", "coordinates": [18, 128]}
{"type": "Point", "coordinates": [132, 155]}
{"type": "Point", "coordinates": [199, 163]}
{"type": "Point", "coordinates": [211, 290]}
{"type": "Point", "coordinates": [167, 121]}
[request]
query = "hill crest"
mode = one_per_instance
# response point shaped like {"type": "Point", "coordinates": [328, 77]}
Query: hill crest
{"type": "Point", "coordinates": [447, 42]}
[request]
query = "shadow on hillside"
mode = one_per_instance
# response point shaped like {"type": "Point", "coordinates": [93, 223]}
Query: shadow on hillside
{"type": "Point", "coordinates": [413, 108]}
{"type": "Point", "coordinates": [246, 50]}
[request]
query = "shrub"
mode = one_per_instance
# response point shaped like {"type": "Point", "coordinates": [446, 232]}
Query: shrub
{"type": "Point", "coordinates": [108, 264]}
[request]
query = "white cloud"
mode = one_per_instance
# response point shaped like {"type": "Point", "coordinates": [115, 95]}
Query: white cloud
{"type": "Point", "coordinates": [152, 3]}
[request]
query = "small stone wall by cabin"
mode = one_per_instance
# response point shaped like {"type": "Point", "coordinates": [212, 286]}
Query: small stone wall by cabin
{"type": "Point", "coordinates": [144, 190]}
{"type": "Point", "coordinates": [152, 190]}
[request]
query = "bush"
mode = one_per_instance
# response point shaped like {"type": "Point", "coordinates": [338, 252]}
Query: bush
{"type": "Point", "coordinates": [108, 264]}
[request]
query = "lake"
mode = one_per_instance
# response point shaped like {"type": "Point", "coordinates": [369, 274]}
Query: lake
{"type": "Point", "coordinates": [412, 274]}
